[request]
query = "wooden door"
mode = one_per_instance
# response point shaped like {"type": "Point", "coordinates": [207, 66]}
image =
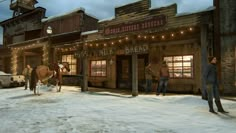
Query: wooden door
{"type": "Point", "coordinates": [124, 72]}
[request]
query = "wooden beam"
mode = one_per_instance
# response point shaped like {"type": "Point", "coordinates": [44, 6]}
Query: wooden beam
{"type": "Point", "coordinates": [174, 42]}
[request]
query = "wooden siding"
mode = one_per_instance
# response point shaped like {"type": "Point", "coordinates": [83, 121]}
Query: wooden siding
{"type": "Point", "coordinates": [227, 10]}
{"type": "Point", "coordinates": [78, 21]}
{"type": "Point", "coordinates": [21, 24]}
{"type": "Point", "coordinates": [173, 21]}
{"type": "Point", "coordinates": [69, 23]}
{"type": "Point", "coordinates": [140, 6]}
{"type": "Point", "coordinates": [89, 23]}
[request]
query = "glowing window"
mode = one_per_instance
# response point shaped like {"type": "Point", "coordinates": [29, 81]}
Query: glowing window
{"type": "Point", "coordinates": [180, 66]}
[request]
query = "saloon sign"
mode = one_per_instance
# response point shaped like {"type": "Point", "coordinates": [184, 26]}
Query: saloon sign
{"type": "Point", "coordinates": [136, 26]}
{"type": "Point", "coordinates": [136, 49]}
{"type": "Point", "coordinates": [128, 50]}
{"type": "Point", "coordinates": [91, 53]}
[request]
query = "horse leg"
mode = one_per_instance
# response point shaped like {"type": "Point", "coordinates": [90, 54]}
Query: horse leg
{"type": "Point", "coordinates": [35, 90]}
{"type": "Point", "coordinates": [38, 86]}
{"type": "Point", "coordinates": [59, 84]}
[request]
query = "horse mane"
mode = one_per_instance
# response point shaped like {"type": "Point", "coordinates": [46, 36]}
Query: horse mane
{"type": "Point", "coordinates": [66, 66]}
{"type": "Point", "coordinates": [56, 68]}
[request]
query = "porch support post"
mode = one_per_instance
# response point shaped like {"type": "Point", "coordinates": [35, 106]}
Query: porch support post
{"type": "Point", "coordinates": [85, 74]}
{"type": "Point", "coordinates": [204, 55]}
{"type": "Point", "coordinates": [134, 75]}
{"type": "Point", "coordinates": [14, 61]}
{"type": "Point", "coordinates": [235, 67]}
{"type": "Point", "coordinates": [46, 49]}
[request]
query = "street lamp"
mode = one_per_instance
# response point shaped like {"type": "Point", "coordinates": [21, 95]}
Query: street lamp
{"type": "Point", "coordinates": [49, 30]}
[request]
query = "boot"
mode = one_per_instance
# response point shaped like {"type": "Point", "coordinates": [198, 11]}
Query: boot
{"type": "Point", "coordinates": [219, 106]}
{"type": "Point", "coordinates": [211, 109]}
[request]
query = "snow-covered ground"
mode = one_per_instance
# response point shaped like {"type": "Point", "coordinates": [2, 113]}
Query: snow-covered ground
{"type": "Point", "coordinates": [72, 111]}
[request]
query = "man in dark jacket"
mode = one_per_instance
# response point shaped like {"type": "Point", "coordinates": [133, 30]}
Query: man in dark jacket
{"type": "Point", "coordinates": [212, 84]}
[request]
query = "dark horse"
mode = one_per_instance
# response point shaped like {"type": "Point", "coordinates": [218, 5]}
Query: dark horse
{"type": "Point", "coordinates": [42, 73]}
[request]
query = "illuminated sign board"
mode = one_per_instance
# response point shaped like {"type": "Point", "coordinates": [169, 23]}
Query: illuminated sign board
{"type": "Point", "coordinates": [154, 22]}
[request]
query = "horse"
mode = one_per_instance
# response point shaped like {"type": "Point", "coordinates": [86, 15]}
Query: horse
{"type": "Point", "coordinates": [42, 73]}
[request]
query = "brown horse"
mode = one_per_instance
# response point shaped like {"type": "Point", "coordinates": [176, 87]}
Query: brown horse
{"type": "Point", "coordinates": [41, 74]}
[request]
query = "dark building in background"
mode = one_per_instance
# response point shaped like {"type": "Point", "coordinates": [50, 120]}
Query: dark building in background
{"type": "Point", "coordinates": [225, 43]}
{"type": "Point", "coordinates": [25, 36]}
{"type": "Point", "coordinates": [20, 31]}
{"type": "Point", "coordinates": [24, 25]}
{"type": "Point", "coordinates": [5, 57]}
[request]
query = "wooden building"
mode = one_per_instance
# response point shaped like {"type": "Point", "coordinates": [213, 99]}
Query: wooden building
{"type": "Point", "coordinates": [118, 52]}
{"type": "Point", "coordinates": [67, 29]}
{"type": "Point", "coordinates": [113, 53]}
{"type": "Point", "coordinates": [5, 57]}
{"type": "Point", "coordinates": [25, 34]}
{"type": "Point", "coordinates": [225, 42]}
{"type": "Point", "coordinates": [18, 33]}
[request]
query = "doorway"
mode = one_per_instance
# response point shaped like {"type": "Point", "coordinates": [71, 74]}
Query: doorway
{"type": "Point", "coordinates": [124, 72]}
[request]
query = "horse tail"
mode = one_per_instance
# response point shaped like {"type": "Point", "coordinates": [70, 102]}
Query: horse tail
{"type": "Point", "coordinates": [33, 79]}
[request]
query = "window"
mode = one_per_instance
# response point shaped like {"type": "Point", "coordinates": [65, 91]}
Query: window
{"type": "Point", "coordinates": [72, 63]}
{"type": "Point", "coordinates": [98, 68]}
{"type": "Point", "coordinates": [180, 66]}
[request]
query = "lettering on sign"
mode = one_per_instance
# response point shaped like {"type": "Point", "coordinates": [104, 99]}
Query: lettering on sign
{"type": "Point", "coordinates": [96, 52]}
{"type": "Point", "coordinates": [80, 54]}
{"type": "Point", "coordinates": [106, 51]}
{"type": "Point", "coordinates": [136, 26]}
{"type": "Point", "coordinates": [136, 49]}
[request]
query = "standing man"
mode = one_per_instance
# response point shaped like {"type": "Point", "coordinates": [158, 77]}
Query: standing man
{"type": "Point", "coordinates": [164, 77]}
{"type": "Point", "coordinates": [148, 76]}
{"type": "Point", "coordinates": [27, 73]}
{"type": "Point", "coordinates": [212, 84]}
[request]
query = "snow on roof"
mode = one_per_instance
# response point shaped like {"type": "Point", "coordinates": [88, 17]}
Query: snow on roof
{"type": "Point", "coordinates": [111, 18]}
{"type": "Point", "coordinates": [91, 15]}
{"type": "Point", "coordinates": [157, 7]}
{"type": "Point", "coordinates": [65, 14]}
{"type": "Point", "coordinates": [89, 32]}
{"type": "Point", "coordinates": [61, 15]}
{"type": "Point", "coordinates": [127, 3]}
{"type": "Point", "coordinates": [106, 19]}
{"type": "Point", "coordinates": [211, 8]}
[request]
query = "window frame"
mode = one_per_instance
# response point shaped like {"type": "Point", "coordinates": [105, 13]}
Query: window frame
{"type": "Point", "coordinates": [182, 66]}
{"type": "Point", "coordinates": [101, 68]}
{"type": "Point", "coordinates": [71, 63]}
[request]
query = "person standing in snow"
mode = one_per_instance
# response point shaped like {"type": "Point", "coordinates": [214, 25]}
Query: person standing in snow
{"type": "Point", "coordinates": [27, 73]}
{"type": "Point", "coordinates": [212, 85]}
{"type": "Point", "coordinates": [164, 77]}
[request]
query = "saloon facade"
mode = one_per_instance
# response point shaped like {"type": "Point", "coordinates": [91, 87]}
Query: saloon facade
{"type": "Point", "coordinates": [113, 53]}
{"type": "Point", "coordinates": [138, 35]}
